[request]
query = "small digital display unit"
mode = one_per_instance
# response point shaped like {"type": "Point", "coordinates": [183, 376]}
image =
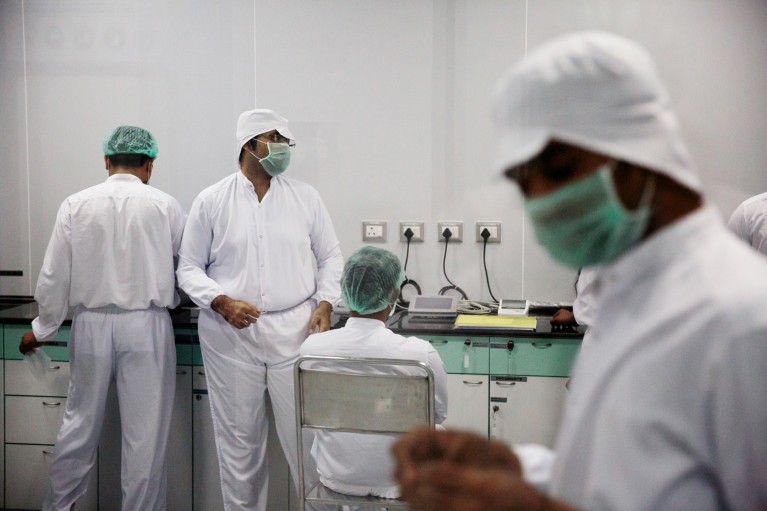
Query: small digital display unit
{"type": "Point", "coordinates": [509, 307]}
{"type": "Point", "coordinates": [445, 306]}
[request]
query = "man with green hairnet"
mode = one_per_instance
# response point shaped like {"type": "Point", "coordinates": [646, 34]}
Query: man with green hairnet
{"type": "Point", "coordinates": [112, 256]}
{"type": "Point", "coordinates": [353, 463]}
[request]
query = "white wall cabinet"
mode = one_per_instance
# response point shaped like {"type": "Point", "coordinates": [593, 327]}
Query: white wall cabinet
{"type": "Point", "coordinates": [35, 409]}
{"type": "Point", "coordinates": [206, 486]}
{"type": "Point", "coordinates": [207, 483]}
{"type": "Point", "coordinates": [180, 444]}
{"type": "Point", "coordinates": [467, 397]}
{"type": "Point", "coordinates": [179, 449]}
{"type": "Point", "coordinates": [526, 409]}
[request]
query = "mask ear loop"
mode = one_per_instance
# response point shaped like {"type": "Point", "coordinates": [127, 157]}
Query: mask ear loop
{"type": "Point", "coordinates": [648, 193]}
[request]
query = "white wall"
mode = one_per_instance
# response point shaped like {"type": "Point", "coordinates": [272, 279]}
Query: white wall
{"type": "Point", "coordinates": [389, 100]}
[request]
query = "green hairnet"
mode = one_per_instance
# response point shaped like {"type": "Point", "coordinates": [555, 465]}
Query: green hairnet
{"type": "Point", "coordinates": [370, 280]}
{"type": "Point", "coordinates": [130, 140]}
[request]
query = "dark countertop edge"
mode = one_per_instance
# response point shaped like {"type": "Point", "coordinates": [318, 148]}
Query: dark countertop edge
{"type": "Point", "coordinates": [24, 314]}
{"type": "Point", "coordinates": [181, 318]}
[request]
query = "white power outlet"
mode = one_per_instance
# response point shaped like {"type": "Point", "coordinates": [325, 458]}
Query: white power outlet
{"type": "Point", "coordinates": [374, 231]}
{"type": "Point", "coordinates": [456, 231]}
{"type": "Point", "coordinates": [416, 227]}
{"type": "Point", "coordinates": [494, 228]}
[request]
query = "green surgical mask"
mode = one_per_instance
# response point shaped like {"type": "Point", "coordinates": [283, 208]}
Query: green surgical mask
{"type": "Point", "coordinates": [278, 159]}
{"type": "Point", "coordinates": [585, 223]}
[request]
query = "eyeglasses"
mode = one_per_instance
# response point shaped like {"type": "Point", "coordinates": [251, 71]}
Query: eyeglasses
{"type": "Point", "coordinates": [277, 139]}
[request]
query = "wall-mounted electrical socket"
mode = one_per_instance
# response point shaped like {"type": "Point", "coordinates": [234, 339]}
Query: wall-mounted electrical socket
{"type": "Point", "coordinates": [456, 231]}
{"type": "Point", "coordinates": [374, 231]}
{"type": "Point", "coordinates": [494, 228]}
{"type": "Point", "coordinates": [416, 227]}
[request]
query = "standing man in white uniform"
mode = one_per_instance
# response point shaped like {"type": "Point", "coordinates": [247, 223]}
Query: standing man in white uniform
{"type": "Point", "coordinates": [112, 255]}
{"type": "Point", "coordinates": [353, 463]}
{"type": "Point", "coordinates": [667, 406]}
{"type": "Point", "coordinates": [749, 222]}
{"type": "Point", "coordinates": [248, 260]}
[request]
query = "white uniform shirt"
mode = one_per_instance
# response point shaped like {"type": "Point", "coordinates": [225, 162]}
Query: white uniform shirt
{"type": "Point", "coordinates": [749, 222]}
{"type": "Point", "coordinates": [263, 253]}
{"type": "Point", "coordinates": [667, 410]}
{"type": "Point", "coordinates": [112, 244]}
{"type": "Point", "coordinates": [356, 463]}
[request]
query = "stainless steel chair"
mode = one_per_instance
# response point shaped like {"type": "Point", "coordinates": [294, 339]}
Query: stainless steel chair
{"type": "Point", "coordinates": [341, 394]}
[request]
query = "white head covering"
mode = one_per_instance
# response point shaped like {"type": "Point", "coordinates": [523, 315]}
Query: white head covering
{"type": "Point", "coordinates": [593, 90]}
{"type": "Point", "coordinates": [260, 120]}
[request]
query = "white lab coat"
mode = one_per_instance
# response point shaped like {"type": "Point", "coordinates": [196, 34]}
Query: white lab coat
{"type": "Point", "coordinates": [111, 255]}
{"type": "Point", "coordinates": [749, 222]}
{"type": "Point", "coordinates": [667, 409]}
{"type": "Point", "coordinates": [361, 464]}
{"type": "Point", "coordinates": [584, 308]}
{"type": "Point", "coordinates": [263, 253]}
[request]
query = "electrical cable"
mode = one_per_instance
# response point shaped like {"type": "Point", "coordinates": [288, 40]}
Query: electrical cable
{"type": "Point", "coordinates": [401, 302]}
{"type": "Point", "coordinates": [472, 307]}
{"type": "Point", "coordinates": [447, 234]}
{"type": "Point", "coordinates": [486, 235]}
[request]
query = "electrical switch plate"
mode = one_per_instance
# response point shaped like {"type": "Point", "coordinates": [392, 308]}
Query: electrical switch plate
{"type": "Point", "coordinates": [456, 230]}
{"type": "Point", "coordinates": [494, 228]}
{"type": "Point", "coordinates": [374, 231]}
{"type": "Point", "coordinates": [416, 227]}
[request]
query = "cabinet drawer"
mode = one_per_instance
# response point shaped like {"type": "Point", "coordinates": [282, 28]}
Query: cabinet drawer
{"type": "Point", "coordinates": [27, 479]}
{"type": "Point", "coordinates": [12, 337]}
{"type": "Point", "coordinates": [32, 419]}
{"type": "Point", "coordinates": [19, 380]}
{"type": "Point", "coordinates": [533, 356]}
{"type": "Point", "coordinates": [462, 355]}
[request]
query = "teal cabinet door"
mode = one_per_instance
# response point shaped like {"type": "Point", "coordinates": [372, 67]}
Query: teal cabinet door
{"type": "Point", "coordinates": [533, 356]}
{"type": "Point", "coordinates": [58, 350]}
{"type": "Point", "coordinates": [462, 355]}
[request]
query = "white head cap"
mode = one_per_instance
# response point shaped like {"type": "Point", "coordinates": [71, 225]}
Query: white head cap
{"type": "Point", "coordinates": [260, 120]}
{"type": "Point", "coordinates": [596, 91]}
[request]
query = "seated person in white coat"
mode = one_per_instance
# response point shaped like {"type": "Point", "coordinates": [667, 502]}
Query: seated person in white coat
{"type": "Point", "coordinates": [353, 463]}
{"type": "Point", "coordinates": [749, 222]}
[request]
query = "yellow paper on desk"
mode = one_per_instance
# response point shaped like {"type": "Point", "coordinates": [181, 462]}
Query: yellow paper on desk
{"type": "Point", "coordinates": [492, 321]}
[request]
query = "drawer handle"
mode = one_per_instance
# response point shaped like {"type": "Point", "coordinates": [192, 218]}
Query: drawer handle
{"type": "Point", "coordinates": [439, 342]}
{"type": "Point", "coordinates": [472, 383]}
{"type": "Point", "coordinates": [46, 403]}
{"type": "Point", "coordinates": [541, 345]}
{"type": "Point", "coordinates": [505, 383]}
{"type": "Point", "coordinates": [54, 368]}
{"type": "Point", "coordinates": [47, 452]}
{"type": "Point", "coordinates": [181, 372]}
{"type": "Point", "coordinates": [201, 373]}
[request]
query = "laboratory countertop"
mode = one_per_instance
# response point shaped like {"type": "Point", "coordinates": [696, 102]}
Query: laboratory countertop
{"type": "Point", "coordinates": [24, 314]}
{"type": "Point", "coordinates": [185, 317]}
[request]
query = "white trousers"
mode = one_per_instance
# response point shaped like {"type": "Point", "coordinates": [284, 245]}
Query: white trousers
{"type": "Point", "coordinates": [241, 366]}
{"type": "Point", "coordinates": [137, 349]}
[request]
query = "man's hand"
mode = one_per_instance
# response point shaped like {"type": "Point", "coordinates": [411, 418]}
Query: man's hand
{"type": "Point", "coordinates": [563, 317]}
{"type": "Point", "coordinates": [321, 318]}
{"type": "Point", "coordinates": [460, 471]}
{"type": "Point", "coordinates": [29, 342]}
{"type": "Point", "coordinates": [237, 313]}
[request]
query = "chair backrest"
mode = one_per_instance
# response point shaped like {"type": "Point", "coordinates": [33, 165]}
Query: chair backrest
{"type": "Point", "coordinates": [384, 396]}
